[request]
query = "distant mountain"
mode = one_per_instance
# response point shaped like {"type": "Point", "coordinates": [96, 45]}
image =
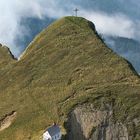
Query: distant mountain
{"type": "Point", "coordinates": [127, 48]}
{"type": "Point", "coordinates": [69, 76]}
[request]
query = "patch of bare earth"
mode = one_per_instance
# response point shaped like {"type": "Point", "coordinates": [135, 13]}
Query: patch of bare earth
{"type": "Point", "coordinates": [7, 120]}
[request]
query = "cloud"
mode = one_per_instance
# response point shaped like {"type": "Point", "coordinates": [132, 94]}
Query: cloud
{"type": "Point", "coordinates": [13, 11]}
{"type": "Point", "coordinates": [112, 24]}
{"type": "Point", "coordinates": [10, 16]}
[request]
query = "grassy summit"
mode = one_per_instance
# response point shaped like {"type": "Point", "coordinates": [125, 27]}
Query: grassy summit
{"type": "Point", "coordinates": [65, 65]}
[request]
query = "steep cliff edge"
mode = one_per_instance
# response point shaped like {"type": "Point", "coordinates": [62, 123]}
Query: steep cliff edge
{"type": "Point", "coordinates": [64, 70]}
{"type": "Point", "coordinates": [88, 123]}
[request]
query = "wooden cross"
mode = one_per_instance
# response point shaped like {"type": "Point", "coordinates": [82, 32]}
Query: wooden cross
{"type": "Point", "coordinates": [76, 11]}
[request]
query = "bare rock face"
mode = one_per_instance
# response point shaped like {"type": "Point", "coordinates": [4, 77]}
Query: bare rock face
{"type": "Point", "coordinates": [7, 120]}
{"type": "Point", "coordinates": [87, 123]}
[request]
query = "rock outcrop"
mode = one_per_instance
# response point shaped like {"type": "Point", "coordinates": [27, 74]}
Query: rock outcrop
{"type": "Point", "coordinates": [7, 120]}
{"type": "Point", "coordinates": [88, 123]}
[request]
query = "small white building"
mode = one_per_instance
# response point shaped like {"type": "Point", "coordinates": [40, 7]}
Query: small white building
{"type": "Point", "coordinates": [52, 133]}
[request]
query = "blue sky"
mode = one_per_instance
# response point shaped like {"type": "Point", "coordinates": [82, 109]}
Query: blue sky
{"type": "Point", "coordinates": [111, 17]}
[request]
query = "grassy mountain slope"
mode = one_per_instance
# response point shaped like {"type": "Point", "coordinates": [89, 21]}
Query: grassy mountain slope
{"type": "Point", "coordinates": [5, 55]}
{"type": "Point", "coordinates": [65, 65]}
{"type": "Point", "coordinates": [6, 60]}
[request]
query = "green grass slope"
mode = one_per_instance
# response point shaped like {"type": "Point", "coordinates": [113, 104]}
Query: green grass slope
{"type": "Point", "coordinates": [65, 65]}
{"type": "Point", "coordinates": [6, 60]}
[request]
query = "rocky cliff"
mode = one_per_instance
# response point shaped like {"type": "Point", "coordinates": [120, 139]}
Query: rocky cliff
{"type": "Point", "coordinates": [89, 123]}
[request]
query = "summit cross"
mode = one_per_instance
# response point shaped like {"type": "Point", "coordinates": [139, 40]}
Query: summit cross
{"type": "Point", "coordinates": [76, 11]}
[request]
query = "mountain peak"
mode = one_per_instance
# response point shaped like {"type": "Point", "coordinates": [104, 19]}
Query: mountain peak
{"type": "Point", "coordinates": [5, 54]}
{"type": "Point", "coordinates": [70, 21]}
{"type": "Point", "coordinates": [68, 65]}
{"type": "Point", "coordinates": [64, 27]}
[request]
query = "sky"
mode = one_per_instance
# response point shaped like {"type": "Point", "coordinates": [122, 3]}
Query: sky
{"type": "Point", "coordinates": [111, 17]}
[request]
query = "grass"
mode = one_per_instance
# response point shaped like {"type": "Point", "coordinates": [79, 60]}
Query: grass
{"type": "Point", "coordinates": [67, 64]}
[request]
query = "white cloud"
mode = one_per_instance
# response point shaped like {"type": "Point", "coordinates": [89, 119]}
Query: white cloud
{"type": "Point", "coordinates": [11, 13]}
{"type": "Point", "coordinates": [113, 24]}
